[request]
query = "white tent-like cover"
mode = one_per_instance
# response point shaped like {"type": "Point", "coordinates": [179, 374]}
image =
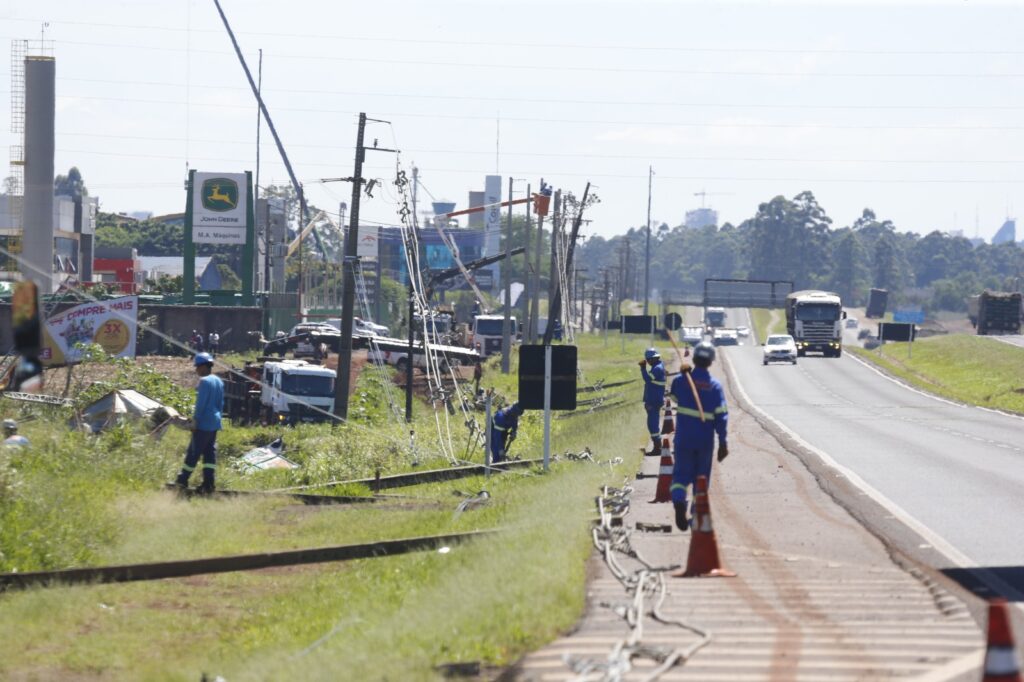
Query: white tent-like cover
{"type": "Point", "coordinates": [122, 404]}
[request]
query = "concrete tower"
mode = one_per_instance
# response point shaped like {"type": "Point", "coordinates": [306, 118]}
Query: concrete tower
{"type": "Point", "coordinates": [40, 108]}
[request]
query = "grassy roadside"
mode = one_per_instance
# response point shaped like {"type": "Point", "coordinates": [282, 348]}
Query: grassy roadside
{"type": "Point", "coordinates": [969, 369]}
{"type": "Point", "coordinates": [767, 322]}
{"type": "Point", "coordinates": [389, 618]}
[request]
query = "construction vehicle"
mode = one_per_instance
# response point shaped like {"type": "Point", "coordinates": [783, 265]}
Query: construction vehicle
{"type": "Point", "coordinates": [878, 299]}
{"type": "Point", "coordinates": [995, 312]}
{"type": "Point", "coordinates": [813, 319]}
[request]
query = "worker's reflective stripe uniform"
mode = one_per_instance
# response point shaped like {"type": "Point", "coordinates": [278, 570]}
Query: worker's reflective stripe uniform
{"type": "Point", "coordinates": [654, 396]}
{"type": "Point", "coordinates": [503, 424]}
{"type": "Point", "coordinates": [207, 419]}
{"type": "Point", "coordinates": [695, 437]}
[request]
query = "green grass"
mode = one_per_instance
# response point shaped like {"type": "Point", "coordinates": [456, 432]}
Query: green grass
{"type": "Point", "coordinates": [73, 500]}
{"type": "Point", "coordinates": [970, 369]}
{"type": "Point", "coordinates": [767, 322]}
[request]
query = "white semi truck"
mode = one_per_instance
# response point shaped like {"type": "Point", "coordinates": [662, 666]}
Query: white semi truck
{"type": "Point", "coordinates": [814, 320]}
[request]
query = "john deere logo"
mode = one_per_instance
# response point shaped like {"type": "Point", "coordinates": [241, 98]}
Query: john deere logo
{"type": "Point", "coordinates": [220, 194]}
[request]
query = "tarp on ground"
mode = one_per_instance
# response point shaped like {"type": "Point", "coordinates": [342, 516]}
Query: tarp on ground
{"type": "Point", "coordinates": [121, 404]}
{"type": "Point", "coordinates": [266, 457]}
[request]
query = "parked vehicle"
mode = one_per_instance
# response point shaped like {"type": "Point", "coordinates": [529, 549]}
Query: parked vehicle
{"type": "Point", "coordinates": [852, 323]}
{"type": "Point", "coordinates": [813, 320]}
{"type": "Point", "coordinates": [780, 348]}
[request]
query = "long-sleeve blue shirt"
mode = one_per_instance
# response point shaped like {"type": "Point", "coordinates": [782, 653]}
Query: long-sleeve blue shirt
{"type": "Point", "coordinates": [654, 384]}
{"type": "Point", "coordinates": [209, 403]}
{"type": "Point", "coordinates": [690, 430]}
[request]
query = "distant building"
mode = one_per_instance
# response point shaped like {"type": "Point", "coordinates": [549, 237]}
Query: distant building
{"type": "Point", "coordinates": [701, 217]}
{"type": "Point", "coordinates": [74, 226]}
{"type": "Point", "coordinates": [1007, 233]}
{"type": "Point", "coordinates": [120, 267]}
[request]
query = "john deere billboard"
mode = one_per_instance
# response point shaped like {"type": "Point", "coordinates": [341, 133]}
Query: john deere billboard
{"type": "Point", "coordinates": [219, 210]}
{"type": "Point", "coordinates": [219, 214]}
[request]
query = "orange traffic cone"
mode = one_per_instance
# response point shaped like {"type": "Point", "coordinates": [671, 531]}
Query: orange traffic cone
{"type": "Point", "coordinates": [667, 425]}
{"type": "Point", "coordinates": [664, 491]}
{"type": "Point", "coordinates": [703, 560]}
{"type": "Point", "coordinates": [1001, 663]}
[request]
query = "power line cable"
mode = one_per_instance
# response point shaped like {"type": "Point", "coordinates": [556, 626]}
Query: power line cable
{"type": "Point", "coordinates": [715, 49]}
{"type": "Point", "coordinates": [549, 67]}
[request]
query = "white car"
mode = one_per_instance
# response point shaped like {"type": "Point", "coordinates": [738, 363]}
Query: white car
{"type": "Point", "coordinates": [780, 348]}
{"type": "Point", "coordinates": [743, 330]}
{"type": "Point", "coordinates": [725, 337]}
{"type": "Point", "coordinates": [851, 323]}
{"type": "Point", "coordinates": [693, 335]}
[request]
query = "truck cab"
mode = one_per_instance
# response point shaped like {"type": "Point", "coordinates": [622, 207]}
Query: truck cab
{"type": "Point", "coordinates": [814, 320]}
{"type": "Point", "coordinates": [487, 333]}
{"type": "Point", "coordinates": [296, 391]}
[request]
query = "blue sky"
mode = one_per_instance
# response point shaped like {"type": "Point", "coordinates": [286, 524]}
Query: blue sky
{"type": "Point", "coordinates": [911, 109]}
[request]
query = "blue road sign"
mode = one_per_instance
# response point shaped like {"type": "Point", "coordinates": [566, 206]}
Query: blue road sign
{"type": "Point", "coordinates": [909, 316]}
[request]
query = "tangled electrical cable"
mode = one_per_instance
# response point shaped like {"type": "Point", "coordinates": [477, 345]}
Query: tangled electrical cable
{"type": "Point", "coordinates": [643, 584]}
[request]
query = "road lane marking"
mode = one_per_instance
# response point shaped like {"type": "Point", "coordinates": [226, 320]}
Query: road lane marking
{"type": "Point", "coordinates": [939, 544]}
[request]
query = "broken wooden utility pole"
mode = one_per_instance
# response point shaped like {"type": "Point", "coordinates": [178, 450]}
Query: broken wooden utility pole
{"type": "Point", "coordinates": [343, 380]}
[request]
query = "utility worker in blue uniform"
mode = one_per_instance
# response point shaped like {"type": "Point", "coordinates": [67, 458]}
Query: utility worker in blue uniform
{"type": "Point", "coordinates": [654, 395]}
{"type": "Point", "coordinates": [504, 427]}
{"type": "Point", "coordinates": [205, 425]}
{"type": "Point", "coordinates": [700, 413]}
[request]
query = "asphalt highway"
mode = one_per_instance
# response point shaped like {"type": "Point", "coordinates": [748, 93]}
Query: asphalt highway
{"type": "Point", "coordinates": [953, 471]}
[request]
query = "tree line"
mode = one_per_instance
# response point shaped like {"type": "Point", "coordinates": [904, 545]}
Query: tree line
{"type": "Point", "coordinates": [795, 240]}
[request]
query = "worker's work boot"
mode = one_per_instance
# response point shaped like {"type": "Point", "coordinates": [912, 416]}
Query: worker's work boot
{"type": "Point", "coordinates": [181, 482]}
{"type": "Point", "coordinates": [207, 487]}
{"type": "Point", "coordinates": [682, 523]}
{"type": "Point", "coordinates": [655, 446]}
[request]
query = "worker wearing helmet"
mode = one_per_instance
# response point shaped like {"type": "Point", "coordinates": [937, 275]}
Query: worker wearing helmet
{"type": "Point", "coordinates": [504, 428]}
{"type": "Point", "coordinates": [11, 436]}
{"type": "Point", "coordinates": [205, 425]}
{"type": "Point", "coordinates": [700, 413]}
{"type": "Point", "coordinates": [654, 395]}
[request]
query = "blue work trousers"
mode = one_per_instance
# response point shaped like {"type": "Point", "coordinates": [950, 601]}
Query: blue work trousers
{"type": "Point", "coordinates": [653, 420]}
{"type": "Point", "coordinates": [690, 463]}
{"type": "Point", "coordinates": [203, 444]}
{"type": "Point", "coordinates": [497, 446]}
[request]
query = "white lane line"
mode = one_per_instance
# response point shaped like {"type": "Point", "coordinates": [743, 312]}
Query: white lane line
{"type": "Point", "coordinates": [940, 399]}
{"type": "Point", "coordinates": [940, 544]}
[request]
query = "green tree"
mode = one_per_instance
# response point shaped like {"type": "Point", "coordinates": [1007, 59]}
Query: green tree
{"type": "Point", "coordinates": [70, 185]}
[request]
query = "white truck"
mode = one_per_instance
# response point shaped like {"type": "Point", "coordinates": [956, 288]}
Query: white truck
{"type": "Point", "coordinates": [296, 391]}
{"type": "Point", "coordinates": [814, 320]}
{"type": "Point", "coordinates": [487, 333]}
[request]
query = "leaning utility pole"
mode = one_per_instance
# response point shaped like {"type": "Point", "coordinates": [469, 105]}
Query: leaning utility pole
{"type": "Point", "coordinates": [343, 381]}
{"type": "Point", "coordinates": [341, 384]}
{"type": "Point", "coordinates": [647, 247]}
{"type": "Point", "coordinates": [506, 272]}
{"type": "Point", "coordinates": [554, 311]}
{"type": "Point", "coordinates": [535, 313]}
{"type": "Point", "coordinates": [524, 297]}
